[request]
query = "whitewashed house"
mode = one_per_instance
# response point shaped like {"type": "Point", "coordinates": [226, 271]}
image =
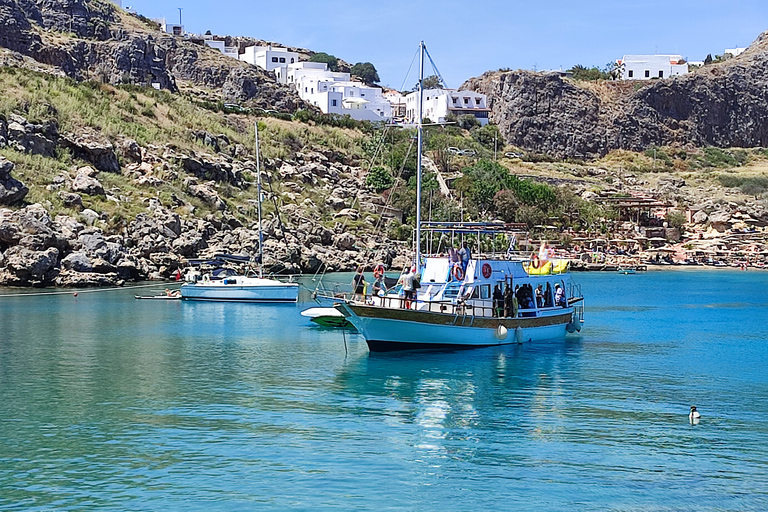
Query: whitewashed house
{"type": "Point", "coordinates": [439, 103]}
{"type": "Point", "coordinates": [735, 52]}
{"type": "Point", "coordinates": [229, 51]}
{"type": "Point", "coordinates": [269, 58]}
{"type": "Point", "coordinates": [396, 102]}
{"type": "Point", "coordinates": [176, 29]}
{"type": "Point", "coordinates": [647, 67]}
{"type": "Point", "coordinates": [334, 92]}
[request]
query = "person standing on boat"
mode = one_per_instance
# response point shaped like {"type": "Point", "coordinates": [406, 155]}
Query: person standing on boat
{"type": "Point", "coordinates": [498, 301]}
{"type": "Point", "coordinates": [560, 296]}
{"type": "Point", "coordinates": [465, 255]}
{"type": "Point", "coordinates": [358, 284]}
{"type": "Point", "coordinates": [408, 287]}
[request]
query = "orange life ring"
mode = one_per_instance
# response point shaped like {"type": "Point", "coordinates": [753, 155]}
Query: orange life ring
{"type": "Point", "coordinates": [534, 260]}
{"type": "Point", "coordinates": [458, 272]}
{"type": "Point", "coordinates": [378, 271]}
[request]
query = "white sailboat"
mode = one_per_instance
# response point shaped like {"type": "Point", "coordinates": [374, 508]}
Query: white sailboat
{"type": "Point", "coordinates": [457, 306]}
{"type": "Point", "coordinates": [242, 288]}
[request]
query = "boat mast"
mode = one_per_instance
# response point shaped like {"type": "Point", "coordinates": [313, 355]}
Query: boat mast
{"type": "Point", "coordinates": [422, 48]}
{"type": "Point", "coordinates": [258, 188]}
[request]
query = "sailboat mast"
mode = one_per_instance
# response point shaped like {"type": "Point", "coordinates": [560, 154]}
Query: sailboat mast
{"type": "Point", "coordinates": [418, 155]}
{"type": "Point", "coordinates": [258, 188]}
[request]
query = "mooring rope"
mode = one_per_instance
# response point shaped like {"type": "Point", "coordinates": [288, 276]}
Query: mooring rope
{"type": "Point", "coordinates": [80, 290]}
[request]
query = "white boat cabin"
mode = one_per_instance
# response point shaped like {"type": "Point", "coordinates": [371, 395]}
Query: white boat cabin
{"type": "Point", "coordinates": [445, 290]}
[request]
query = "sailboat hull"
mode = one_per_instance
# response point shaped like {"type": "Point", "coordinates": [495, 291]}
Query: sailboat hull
{"type": "Point", "coordinates": [270, 291]}
{"type": "Point", "coordinates": [400, 329]}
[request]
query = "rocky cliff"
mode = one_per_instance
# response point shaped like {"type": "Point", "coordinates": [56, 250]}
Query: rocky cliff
{"type": "Point", "coordinates": [723, 105]}
{"type": "Point", "coordinates": [94, 39]}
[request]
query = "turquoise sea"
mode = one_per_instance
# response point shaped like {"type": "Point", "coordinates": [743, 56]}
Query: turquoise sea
{"type": "Point", "coordinates": [108, 403]}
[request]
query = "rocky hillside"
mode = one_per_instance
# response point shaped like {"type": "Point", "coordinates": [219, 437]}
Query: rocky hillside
{"type": "Point", "coordinates": [93, 39]}
{"type": "Point", "coordinates": [722, 105]}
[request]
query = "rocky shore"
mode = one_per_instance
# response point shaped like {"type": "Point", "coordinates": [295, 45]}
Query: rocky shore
{"type": "Point", "coordinates": [86, 249]}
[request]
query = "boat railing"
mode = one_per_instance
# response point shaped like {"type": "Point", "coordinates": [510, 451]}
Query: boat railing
{"type": "Point", "coordinates": [286, 278]}
{"type": "Point", "coordinates": [450, 307]}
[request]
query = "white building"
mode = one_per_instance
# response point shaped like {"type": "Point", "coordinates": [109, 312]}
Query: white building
{"type": "Point", "coordinates": [169, 28]}
{"type": "Point", "coordinates": [646, 67]}
{"type": "Point", "coordinates": [229, 51]}
{"type": "Point", "coordinates": [397, 103]}
{"type": "Point", "coordinates": [334, 92]}
{"type": "Point", "coordinates": [734, 51]}
{"type": "Point", "coordinates": [269, 58]}
{"type": "Point", "coordinates": [439, 103]}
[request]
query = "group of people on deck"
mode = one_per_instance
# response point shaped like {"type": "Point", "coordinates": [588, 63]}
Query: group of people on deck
{"type": "Point", "coordinates": [508, 302]}
{"type": "Point", "coordinates": [409, 279]}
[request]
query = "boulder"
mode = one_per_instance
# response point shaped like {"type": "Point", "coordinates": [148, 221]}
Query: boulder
{"type": "Point", "coordinates": [206, 194]}
{"type": "Point", "coordinates": [25, 266]}
{"type": "Point", "coordinates": [77, 261]}
{"type": "Point", "coordinates": [73, 279]}
{"type": "Point", "coordinates": [71, 200]}
{"type": "Point", "coordinates": [11, 190]}
{"type": "Point", "coordinates": [99, 153]}
{"type": "Point", "coordinates": [87, 184]}
{"type": "Point", "coordinates": [89, 216]}
{"type": "Point", "coordinates": [345, 241]}
{"type": "Point", "coordinates": [700, 217]}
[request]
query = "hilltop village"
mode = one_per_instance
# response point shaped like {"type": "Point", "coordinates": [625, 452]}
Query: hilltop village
{"type": "Point", "coordinates": [127, 149]}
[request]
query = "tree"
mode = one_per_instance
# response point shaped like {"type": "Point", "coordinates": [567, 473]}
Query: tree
{"type": "Point", "coordinates": [708, 60]}
{"type": "Point", "coordinates": [366, 71]}
{"type": "Point", "coordinates": [580, 72]}
{"type": "Point", "coordinates": [430, 82]}
{"type": "Point", "coordinates": [614, 70]}
{"type": "Point", "coordinates": [489, 136]}
{"type": "Point", "coordinates": [332, 61]}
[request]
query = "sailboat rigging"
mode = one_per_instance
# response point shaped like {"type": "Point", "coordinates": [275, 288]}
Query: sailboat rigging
{"type": "Point", "coordinates": [226, 285]}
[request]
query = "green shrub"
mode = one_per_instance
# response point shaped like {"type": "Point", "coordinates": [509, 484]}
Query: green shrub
{"type": "Point", "coordinates": [379, 179]}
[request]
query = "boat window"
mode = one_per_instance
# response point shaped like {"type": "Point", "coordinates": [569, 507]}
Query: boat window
{"type": "Point", "coordinates": [485, 291]}
{"type": "Point", "coordinates": [451, 290]}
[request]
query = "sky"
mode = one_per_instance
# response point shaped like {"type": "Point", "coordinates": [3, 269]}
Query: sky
{"type": "Point", "coordinates": [466, 38]}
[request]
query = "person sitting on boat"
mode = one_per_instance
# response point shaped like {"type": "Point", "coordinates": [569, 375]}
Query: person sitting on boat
{"type": "Point", "coordinates": [358, 284]}
{"type": "Point", "coordinates": [379, 288]}
{"type": "Point", "coordinates": [498, 301]}
{"type": "Point", "coordinates": [174, 293]}
{"type": "Point", "coordinates": [560, 299]}
{"type": "Point", "coordinates": [465, 254]}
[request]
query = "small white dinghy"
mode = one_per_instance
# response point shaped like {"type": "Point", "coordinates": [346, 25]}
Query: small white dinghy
{"type": "Point", "coordinates": [327, 317]}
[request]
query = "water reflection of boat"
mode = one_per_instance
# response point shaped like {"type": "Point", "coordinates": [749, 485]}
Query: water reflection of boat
{"type": "Point", "coordinates": [458, 304]}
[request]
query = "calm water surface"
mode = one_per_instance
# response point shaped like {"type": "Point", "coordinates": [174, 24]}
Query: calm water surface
{"type": "Point", "coordinates": [109, 403]}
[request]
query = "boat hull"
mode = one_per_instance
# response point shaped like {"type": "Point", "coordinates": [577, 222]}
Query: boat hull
{"type": "Point", "coordinates": [284, 292]}
{"type": "Point", "coordinates": [387, 329]}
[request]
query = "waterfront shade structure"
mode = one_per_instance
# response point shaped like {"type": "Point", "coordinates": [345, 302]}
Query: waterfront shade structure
{"type": "Point", "coordinates": [647, 67]}
{"type": "Point", "coordinates": [439, 103]}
